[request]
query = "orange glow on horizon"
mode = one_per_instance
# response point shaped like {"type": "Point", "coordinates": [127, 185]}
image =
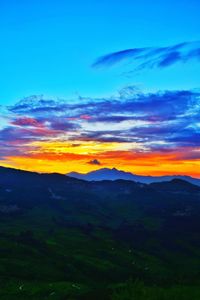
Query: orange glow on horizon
{"type": "Point", "coordinates": [77, 156]}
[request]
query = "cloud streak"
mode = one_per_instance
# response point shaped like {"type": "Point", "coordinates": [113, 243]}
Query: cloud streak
{"type": "Point", "coordinates": [152, 57]}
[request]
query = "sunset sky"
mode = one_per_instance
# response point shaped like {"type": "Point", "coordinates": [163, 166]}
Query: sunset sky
{"type": "Point", "coordinates": [94, 84]}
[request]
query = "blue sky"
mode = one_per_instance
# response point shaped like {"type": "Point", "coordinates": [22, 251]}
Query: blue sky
{"type": "Point", "coordinates": [120, 85]}
{"type": "Point", "coordinates": [48, 47]}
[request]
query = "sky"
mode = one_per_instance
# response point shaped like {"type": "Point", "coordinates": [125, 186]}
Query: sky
{"type": "Point", "coordinates": [92, 84]}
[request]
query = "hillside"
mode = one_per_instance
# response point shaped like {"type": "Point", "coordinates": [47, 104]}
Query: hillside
{"type": "Point", "coordinates": [66, 237]}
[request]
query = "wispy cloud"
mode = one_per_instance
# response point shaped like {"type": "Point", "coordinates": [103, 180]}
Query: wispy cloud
{"type": "Point", "coordinates": [152, 57]}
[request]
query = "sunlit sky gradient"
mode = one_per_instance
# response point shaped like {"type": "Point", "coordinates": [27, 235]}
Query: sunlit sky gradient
{"type": "Point", "coordinates": [114, 84]}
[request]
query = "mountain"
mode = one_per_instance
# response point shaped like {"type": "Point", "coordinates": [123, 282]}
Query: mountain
{"type": "Point", "coordinates": [66, 238]}
{"type": "Point", "coordinates": [114, 174]}
{"type": "Point", "coordinates": [103, 174]}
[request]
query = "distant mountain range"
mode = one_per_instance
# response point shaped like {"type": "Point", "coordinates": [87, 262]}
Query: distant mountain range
{"type": "Point", "coordinates": [115, 174]}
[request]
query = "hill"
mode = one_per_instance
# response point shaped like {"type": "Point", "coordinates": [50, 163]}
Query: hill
{"type": "Point", "coordinates": [62, 237]}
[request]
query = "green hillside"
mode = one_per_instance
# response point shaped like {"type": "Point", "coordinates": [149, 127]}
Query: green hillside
{"type": "Point", "coordinates": [63, 238]}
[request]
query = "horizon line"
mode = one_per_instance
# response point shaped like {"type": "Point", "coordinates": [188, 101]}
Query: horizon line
{"type": "Point", "coordinates": [66, 174]}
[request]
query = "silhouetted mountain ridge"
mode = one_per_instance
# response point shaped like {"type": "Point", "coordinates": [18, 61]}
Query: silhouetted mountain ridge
{"type": "Point", "coordinates": [114, 174]}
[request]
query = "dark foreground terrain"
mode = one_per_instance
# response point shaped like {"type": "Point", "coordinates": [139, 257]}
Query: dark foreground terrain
{"type": "Point", "coordinates": [64, 238]}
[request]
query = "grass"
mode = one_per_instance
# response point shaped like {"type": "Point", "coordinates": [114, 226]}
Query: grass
{"type": "Point", "coordinates": [138, 291]}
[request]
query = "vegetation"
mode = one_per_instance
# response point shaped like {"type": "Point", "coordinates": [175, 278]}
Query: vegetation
{"type": "Point", "coordinates": [138, 291]}
{"type": "Point", "coordinates": [61, 238]}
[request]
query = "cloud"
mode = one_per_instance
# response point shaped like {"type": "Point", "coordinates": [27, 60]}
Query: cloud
{"type": "Point", "coordinates": [113, 58]}
{"type": "Point", "coordinates": [152, 57]}
{"type": "Point", "coordinates": [94, 162]}
{"type": "Point", "coordinates": [62, 124]}
{"type": "Point", "coordinates": [135, 121]}
{"type": "Point", "coordinates": [25, 121]}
